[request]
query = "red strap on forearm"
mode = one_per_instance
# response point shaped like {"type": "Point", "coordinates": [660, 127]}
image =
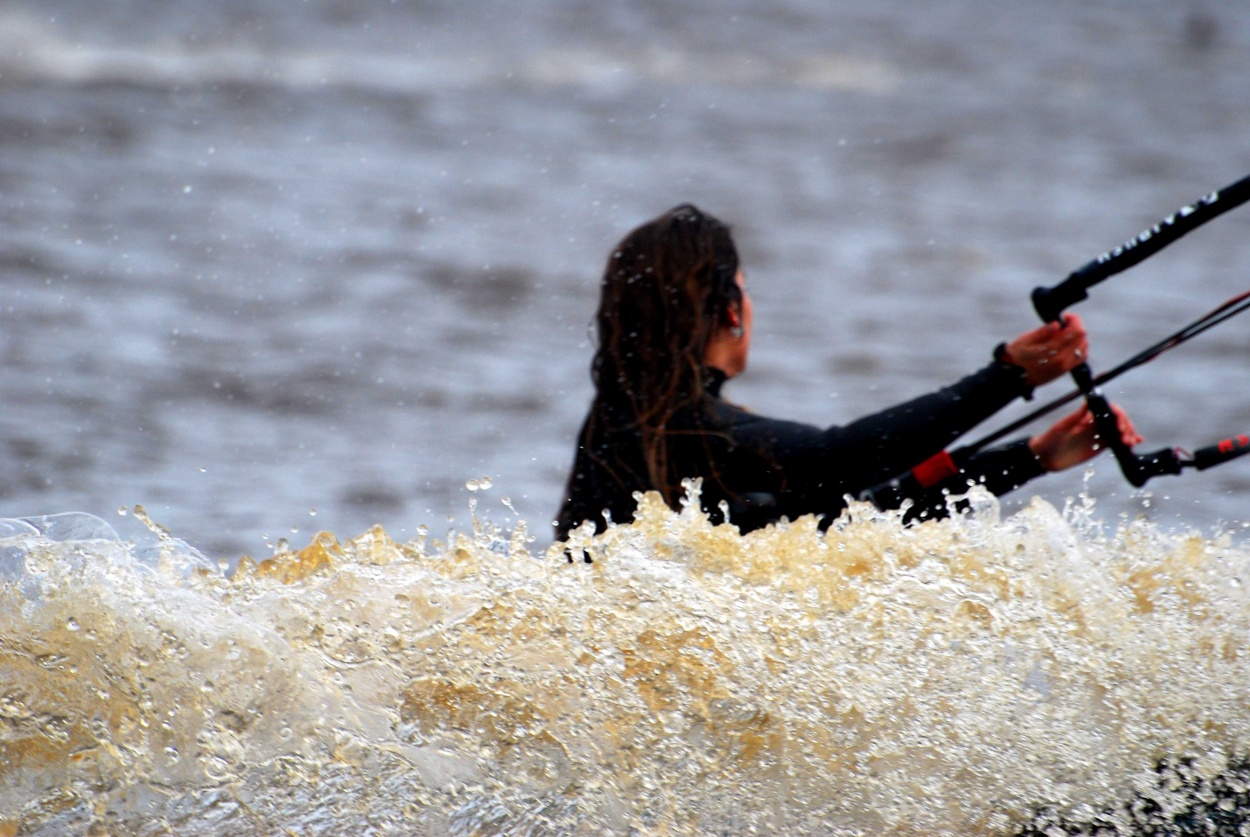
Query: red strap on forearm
{"type": "Point", "coordinates": [935, 469]}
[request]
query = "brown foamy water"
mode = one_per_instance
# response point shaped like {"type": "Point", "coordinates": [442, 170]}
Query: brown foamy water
{"type": "Point", "coordinates": [958, 677]}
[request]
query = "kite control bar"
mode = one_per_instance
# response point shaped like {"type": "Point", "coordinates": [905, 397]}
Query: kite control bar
{"type": "Point", "coordinates": [1050, 304]}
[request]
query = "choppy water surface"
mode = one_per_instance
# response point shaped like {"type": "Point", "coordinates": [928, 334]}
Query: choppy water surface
{"type": "Point", "coordinates": [259, 260]}
{"type": "Point", "coordinates": [268, 269]}
{"type": "Point", "coordinates": [977, 676]}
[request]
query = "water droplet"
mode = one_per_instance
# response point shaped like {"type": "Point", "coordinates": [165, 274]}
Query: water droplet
{"type": "Point", "coordinates": [122, 510]}
{"type": "Point", "coordinates": [312, 512]}
{"type": "Point", "coordinates": [72, 624]}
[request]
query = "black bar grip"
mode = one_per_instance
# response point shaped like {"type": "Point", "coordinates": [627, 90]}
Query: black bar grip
{"type": "Point", "coordinates": [1148, 465]}
{"type": "Point", "coordinates": [1051, 302]}
{"type": "Point", "coordinates": [1221, 452]}
{"type": "Point", "coordinates": [1138, 468]}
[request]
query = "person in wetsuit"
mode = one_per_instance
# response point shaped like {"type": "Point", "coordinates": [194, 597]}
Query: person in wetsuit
{"type": "Point", "coordinates": [674, 323]}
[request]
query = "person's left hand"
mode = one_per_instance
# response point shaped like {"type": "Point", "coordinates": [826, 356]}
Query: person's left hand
{"type": "Point", "coordinates": [1050, 350]}
{"type": "Point", "coordinates": [1074, 439]}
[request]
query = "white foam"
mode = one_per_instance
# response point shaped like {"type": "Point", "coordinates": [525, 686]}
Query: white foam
{"type": "Point", "coordinates": [955, 677]}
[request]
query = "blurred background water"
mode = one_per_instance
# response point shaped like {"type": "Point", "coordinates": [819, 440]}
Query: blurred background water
{"type": "Point", "coordinates": [270, 267]}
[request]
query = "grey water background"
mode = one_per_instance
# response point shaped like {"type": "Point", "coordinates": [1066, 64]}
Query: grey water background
{"type": "Point", "coordinates": [274, 267]}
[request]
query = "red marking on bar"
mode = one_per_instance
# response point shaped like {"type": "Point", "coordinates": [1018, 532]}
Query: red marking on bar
{"type": "Point", "coordinates": [1230, 445]}
{"type": "Point", "coordinates": [935, 469]}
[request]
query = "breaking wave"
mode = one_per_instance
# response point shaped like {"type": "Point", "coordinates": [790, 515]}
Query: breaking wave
{"type": "Point", "coordinates": [969, 676]}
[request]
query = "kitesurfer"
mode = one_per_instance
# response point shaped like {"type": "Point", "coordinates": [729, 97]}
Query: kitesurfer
{"type": "Point", "coordinates": [674, 323]}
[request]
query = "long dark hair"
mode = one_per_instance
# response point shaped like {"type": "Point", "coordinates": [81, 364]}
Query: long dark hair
{"type": "Point", "coordinates": [668, 286]}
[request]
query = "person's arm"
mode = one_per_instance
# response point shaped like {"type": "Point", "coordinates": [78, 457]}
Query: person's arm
{"type": "Point", "coordinates": [999, 470]}
{"type": "Point", "coordinates": [1070, 441]}
{"type": "Point", "coordinates": [892, 441]}
{"type": "Point", "coordinates": [878, 446]}
{"type": "Point", "coordinates": [805, 469]}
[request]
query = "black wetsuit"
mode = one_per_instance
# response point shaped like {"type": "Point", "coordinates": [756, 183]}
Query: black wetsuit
{"type": "Point", "coordinates": [767, 468]}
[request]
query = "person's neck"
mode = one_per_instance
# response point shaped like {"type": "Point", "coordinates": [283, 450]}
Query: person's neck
{"type": "Point", "coordinates": [715, 379]}
{"type": "Point", "coordinates": [725, 357]}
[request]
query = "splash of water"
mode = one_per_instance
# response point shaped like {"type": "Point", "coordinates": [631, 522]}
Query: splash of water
{"type": "Point", "coordinates": [965, 676]}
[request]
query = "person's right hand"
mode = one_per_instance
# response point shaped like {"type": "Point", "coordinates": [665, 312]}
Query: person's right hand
{"type": "Point", "coordinates": [1074, 439]}
{"type": "Point", "coordinates": [1049, 351]}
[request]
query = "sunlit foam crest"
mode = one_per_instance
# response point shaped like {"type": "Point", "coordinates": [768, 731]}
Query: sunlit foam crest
{"type": "Point", "coordinates": [961, 676]}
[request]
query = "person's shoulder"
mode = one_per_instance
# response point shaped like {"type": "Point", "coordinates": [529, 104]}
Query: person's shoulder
{"type": "Point", "coordinates": [727, 412]}
{"type": "Point", "coordinates": [744, 423]}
